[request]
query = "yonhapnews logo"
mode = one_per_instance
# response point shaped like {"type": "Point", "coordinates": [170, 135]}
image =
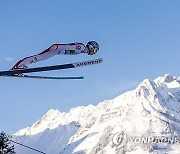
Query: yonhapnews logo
{"type": "Point", "coordinates": [121, 139]}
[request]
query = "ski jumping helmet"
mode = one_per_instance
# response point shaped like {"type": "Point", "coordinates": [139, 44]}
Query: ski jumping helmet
{"type": "Point", "coordinates": [93, 47]}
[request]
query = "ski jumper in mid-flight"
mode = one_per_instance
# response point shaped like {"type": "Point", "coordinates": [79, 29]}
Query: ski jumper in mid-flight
{"type": "Point", "coordinates": [66, 49]}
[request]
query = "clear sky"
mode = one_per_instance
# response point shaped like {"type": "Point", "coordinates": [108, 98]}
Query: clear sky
{"type": "Point", "coordinates": [138, 39]}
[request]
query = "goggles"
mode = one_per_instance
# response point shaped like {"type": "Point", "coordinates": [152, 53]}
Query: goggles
{"type": "Point", "coordinates": [92, 50]}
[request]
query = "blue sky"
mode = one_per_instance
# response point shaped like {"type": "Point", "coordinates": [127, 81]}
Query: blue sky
{"type": "Point", "coordinates": [138, 39]}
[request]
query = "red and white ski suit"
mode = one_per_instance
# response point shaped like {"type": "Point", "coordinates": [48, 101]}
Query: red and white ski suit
{"type": "Point", "coordinates": [55, 49]}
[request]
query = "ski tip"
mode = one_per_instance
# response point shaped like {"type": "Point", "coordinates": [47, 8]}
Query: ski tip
{"type": "Point", "coordinates": [89, 62]}
{"type": "Point", "coordinates": [81, 77]}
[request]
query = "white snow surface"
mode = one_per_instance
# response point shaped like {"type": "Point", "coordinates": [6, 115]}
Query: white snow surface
{"type": "Point", "coordinates": [152, 109]}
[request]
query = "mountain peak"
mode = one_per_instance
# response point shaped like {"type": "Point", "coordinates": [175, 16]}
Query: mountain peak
{"type": "Point", "coordinates": [168, 78]}
{"type": "Point", "coordinates": [146, 88]}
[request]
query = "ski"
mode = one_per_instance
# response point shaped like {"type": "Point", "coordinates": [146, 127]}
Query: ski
{"type": "Point", "coordinates": [44, 77]}
{"type": "Point", "coordinates": [50, 68]}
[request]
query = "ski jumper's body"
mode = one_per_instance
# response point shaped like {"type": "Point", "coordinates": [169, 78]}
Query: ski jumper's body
{"type": "Point", "coordinates": [55, 49]}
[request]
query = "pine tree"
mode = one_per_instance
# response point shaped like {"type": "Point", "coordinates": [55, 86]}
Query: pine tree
{"type": "Point", "coordinates": [5, 147]}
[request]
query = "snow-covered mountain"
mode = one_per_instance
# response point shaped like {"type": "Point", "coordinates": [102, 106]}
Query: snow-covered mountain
{"type": "Point", "coordinates": [150, 110]}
